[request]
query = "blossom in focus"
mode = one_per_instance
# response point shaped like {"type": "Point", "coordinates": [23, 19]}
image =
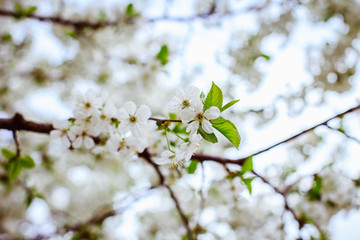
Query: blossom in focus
{"type": "Point", "coordinates": [184, 99]}
{"type": "Point", "coordinates": [133, 119]}
{"type": "Point", "coordinates": [196, 116]}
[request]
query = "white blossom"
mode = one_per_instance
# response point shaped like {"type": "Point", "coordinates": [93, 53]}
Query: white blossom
{"type": "Point", "coordinates": [196, 116]}
{"type": "Point", "coordinates": [133, 119]}
{"type": "Point", "coordinates": [184, 99]}
{"type": "Point", "coordinates": [170, 158]}
{"type": "Point", "coordinates": [89, 103]}
{"type": "Point", "coordinates": [189, 148]}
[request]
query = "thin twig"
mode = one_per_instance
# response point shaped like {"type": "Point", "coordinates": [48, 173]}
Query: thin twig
{"type": "Point", "coordinates": [147, 156]}
{"type": "Point", "coordinates": [164, 120]}
{"type": "Point", "coordinates": [344, 133]}
{"type": "Point", "coordinates": [16, 140]}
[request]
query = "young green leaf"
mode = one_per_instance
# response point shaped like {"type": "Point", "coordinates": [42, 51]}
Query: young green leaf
{"type": "Point", "coordinates": [247, 166]}
{"type": "Point", "coordinates": [208, 137]}
{"type": "Point", "coordinates": [130, 11]}
{"type": "Point", "coordinates": [31, 10]}
{"type": "Point", "coordinates": [26, 161]}
{"type": "Point", "coordinates": [163, 54]}
{"type": "Point", "coordinates": [229, 104]}
{"type": "Point", "coordinates": [214, 97]}
{"type": "Point", "coordinates": [7, 153]}
{"type": "Point", "coordinates": [267, 57]}
{"type": "Point", "coordinates": [192, 167]}
{"type": "Point", "coordinates": [14, 170]}
{"type": "Point", "coordinates": [247, 182]}
{"type": "Point", "coordinates": [228, 129]}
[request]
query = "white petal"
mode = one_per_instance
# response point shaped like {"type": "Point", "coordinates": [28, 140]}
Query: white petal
{"type": "Point", "coordinates": [187, 115]}
{"type": "Point", "coordinates": [167, 154]}
{"type": "Point", "coordinates": [193, 92]}
{"type": "Point", "coordinates": [174, 105]}
{"type": "Point", "coordinates": [122, 114]}
{"type": "Point", "coordinates": [76, 130]}
{"type": "Point", "coordinates": [143, 113]}
{"type": "Point", "coordinates": [193, 127]}
{"type": "Point", "coordinates": [89, 142]}
{"type": "Point", "coordinates": [197, 105]}
{"type": "Point", "coordinates": [136, 129]}
{"type": "Point", "coordinates": [212, 113]}
{"type": "Point", "coordinates": [60, 124]}
{"type": "Point", "coordinates": [65, 141]}
{"type": "Point", "coordinates": [206, 125]}
{"type": "Point", "coordinates": [130, 107]}
{"type": "Point", "coordinates": [55, 134]}
{"type": "Point", "coordinates": [77, 143]}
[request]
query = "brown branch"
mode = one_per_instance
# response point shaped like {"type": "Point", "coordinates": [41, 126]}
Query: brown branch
{"type": "Point", "coordinates": [147, 156]}
{"type": "Point", "coordinates": [18, 149]}
{"type": "Point", "coordinates": [283, 194]}
{"type": "Point", "coordinates": [61, 21]}
{"type": "Point", "coordinates": [17, 122]}
{"type": "Point", "coordinates": [81, 24]}
{"type": "Point", "coordinates": [344, 133]}
{"type": "Point", "coordinates": [240, 161]}
{"type": "Point", "coordinates": [164, 120]}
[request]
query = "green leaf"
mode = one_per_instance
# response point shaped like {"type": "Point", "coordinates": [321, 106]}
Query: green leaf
{"type": "Point", "coordinates": [163, 54]}
{"type": "Point", "coordinates": [229, 104]}
{"type": "Point", "coordinates": [14, 170]}
{"type": "Point", "coordinates": [7, 153]}
{"type": "Point", "coordinates": [247, 166]}
{"type": "Point", "coordinates": [267, 57]}
{"type": "Point", "coordinates": [214, 97]}
{"type": "Point", "coordinates": [26, 161]}
{"type": "Point", "coordinates": [208, 137]}
{"type": "Point", "coordinates": [228, 129]}
{"type": "Point", "coordinates": [192, 167]}
{"type": "Point", "coordinates": [314, 194]}
{"type": "Point", "coordinates": [31, 10]}
{"type": "Point", "coordinates": [247, 182]}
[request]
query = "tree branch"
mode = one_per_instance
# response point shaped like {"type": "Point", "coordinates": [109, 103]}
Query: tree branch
{"type": "Point", "coordinates": [240, 161]}
{"type": "Point", "coordinates": [17, 122]}
{"type": "Point", "coordinates": [147, 156]}
{"type": "Point", "coordinates": [62, 21]}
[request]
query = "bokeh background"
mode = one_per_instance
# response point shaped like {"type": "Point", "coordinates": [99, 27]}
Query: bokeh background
{"type": "Point", "coordinates": [292, 64]}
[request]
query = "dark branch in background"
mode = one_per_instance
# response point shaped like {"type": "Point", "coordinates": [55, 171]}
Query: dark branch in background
{"type": "Point", "coordinates": [147, 156]}
{"type": "Point", "coordinates": [344, 133]}
{"type": "Point", "coordinates": [241, 161]}
{"type": "Point", "coordinates": [81, 24]}
{"type": "Point", "coordinates": [283, 194]}
{"type": "Point", "coordinates": [62, 21]}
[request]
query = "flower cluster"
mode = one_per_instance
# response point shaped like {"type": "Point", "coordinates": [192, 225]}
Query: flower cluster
{"type": "Point", "coordinates": [99, 125]}
{"type": "Point", "coordinates": [190, 107]}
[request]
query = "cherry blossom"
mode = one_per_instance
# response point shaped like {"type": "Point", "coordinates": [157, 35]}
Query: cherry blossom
{"type": "Point", "coordinates": [133, 119]}
{"type": "Point", "coordinates": [184, 99]}
{"type": "Point", "coordinates": [196, 117]}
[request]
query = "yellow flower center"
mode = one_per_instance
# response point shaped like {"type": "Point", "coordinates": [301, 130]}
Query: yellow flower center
{"type": "Point", "coordinates": [199, 117]}
{"type": "Point", "coordinates": [185, 104]}
{"type": "Point", "coordinates": [132, 119]}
